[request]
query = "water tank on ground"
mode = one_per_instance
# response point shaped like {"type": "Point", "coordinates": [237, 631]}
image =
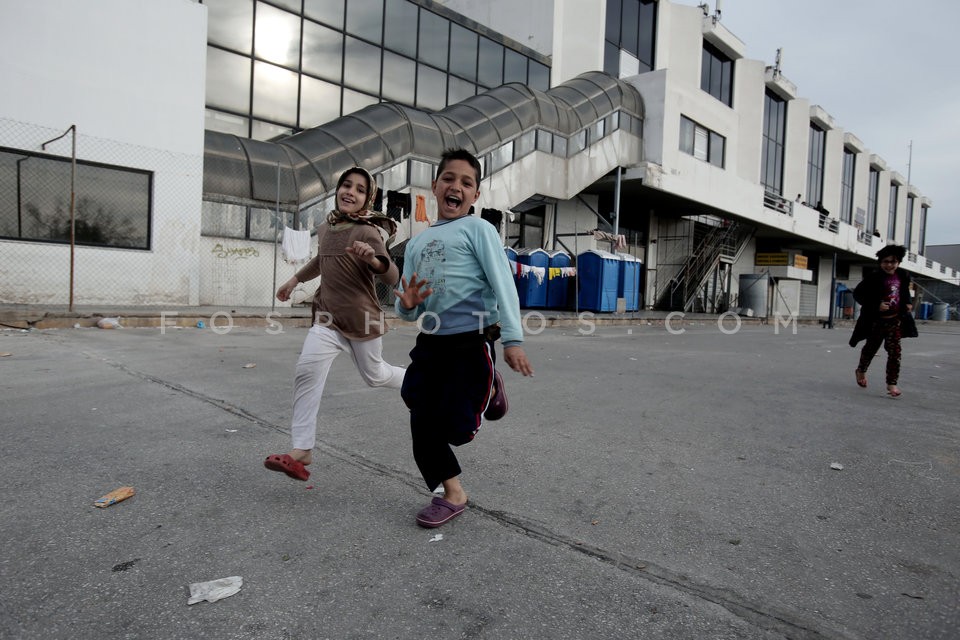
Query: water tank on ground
{"type": "Point", "coordinates": [940, 310]}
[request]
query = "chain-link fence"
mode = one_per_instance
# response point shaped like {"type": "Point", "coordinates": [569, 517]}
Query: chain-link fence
{"type": "Point", "coordinates": [91, 221]}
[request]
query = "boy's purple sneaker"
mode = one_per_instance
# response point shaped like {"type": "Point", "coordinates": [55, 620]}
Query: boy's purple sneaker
{"type": "Point", "coordinates": [498, 405]}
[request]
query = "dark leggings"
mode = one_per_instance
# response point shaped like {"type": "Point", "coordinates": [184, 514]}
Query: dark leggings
{"type": "Point", "coordinates": [885, 331]}
{"type": "Point", "coordinates": [446, 387]}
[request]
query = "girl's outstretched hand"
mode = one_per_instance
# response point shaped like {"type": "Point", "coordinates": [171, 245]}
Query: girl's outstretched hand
{"type": "Point", "coordinates": [413, 292]}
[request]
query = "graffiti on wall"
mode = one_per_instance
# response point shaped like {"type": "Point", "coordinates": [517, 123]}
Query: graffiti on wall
{"type": "Point", "coordinates": [223, 252]}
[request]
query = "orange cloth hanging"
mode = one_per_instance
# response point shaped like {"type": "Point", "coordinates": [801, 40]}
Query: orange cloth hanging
{"type": "Point", "coordinates": [421, 213]}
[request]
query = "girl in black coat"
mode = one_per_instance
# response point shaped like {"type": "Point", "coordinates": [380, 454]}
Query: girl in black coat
{"type": "Point", "coordinates": [884, 298]}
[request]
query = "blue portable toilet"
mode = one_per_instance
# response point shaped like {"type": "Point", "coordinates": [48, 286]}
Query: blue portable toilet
{"type": "Point", "coordinates": [628, 281]}
{"type": "Point", "coordinates": [598, 273]}
{"type": "Point", "coordinates": [557, 286]}
{"type": "Point", "coordinates": [532, 290]}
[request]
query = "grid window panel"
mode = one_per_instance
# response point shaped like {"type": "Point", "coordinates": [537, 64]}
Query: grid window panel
{"type": "Point", "coordinates": [431, 88]}
{"type": "Point", "coordinates": [268, 131]}
{"type": "Point", "coordinates": [354, 101]}
{"type": "Point", "coordinates": [319, 103]}
{"type": "Point", "coordinates": [361, 66]}
{"type": "Point", "coordinates": [514, 67]}
{"type": "Point", "coordinates": [400, 27]}
{"type": "Point", "coordinates": [228, 80]}
{"type": "Point", "coordinates": [277, 36]}
{"type": "Point", "coordinates": [230, 24]}
{"type": "Point", "coordinates": [329, 12]}
{"type": "Point", "coordinates": [399, 78]}
{"type": "Point", "coordinates": [434, 39]}
{"type": "Point", "coordinates": [525, 144]}
{"type": "Point", "coordinates": [322, 51]}
{"type": "Point", "coordinates": [459, 90]}
{"type": "Point", "coordinates": [226, 123]}
{"type": "Point", "coordinates": [463, 52]}
{"type": "Point", "coordinates": [539, 76]}
{"type": "Point", "coordinates": [223, 220]}
{"type": "Point", "coordinates": [289, 5]}
{"type": "Point", "coordinates": [275, 93]}
{"type": "Point", "coordinates": [490, 63]}
{"type": "Point", "coordinates": [365, 19]}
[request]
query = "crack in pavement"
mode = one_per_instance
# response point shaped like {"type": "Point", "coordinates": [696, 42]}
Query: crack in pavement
{"type": "Point", "coordinates": [788, 624]}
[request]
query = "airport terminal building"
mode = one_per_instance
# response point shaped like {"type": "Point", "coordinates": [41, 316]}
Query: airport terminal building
{"type": "Point", "coordinates": [157, 153]}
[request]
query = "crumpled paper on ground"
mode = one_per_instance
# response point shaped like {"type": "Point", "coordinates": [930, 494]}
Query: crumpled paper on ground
{"type": "Point", "coordinates": [215, 589]}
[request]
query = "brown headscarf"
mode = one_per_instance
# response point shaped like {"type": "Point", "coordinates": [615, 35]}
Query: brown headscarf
{"type": "Point", "coordinates": [366, 215]}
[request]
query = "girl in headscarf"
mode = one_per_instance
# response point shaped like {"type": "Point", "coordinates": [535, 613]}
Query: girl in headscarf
{"type": "Point", "coordinates": [347, 316]}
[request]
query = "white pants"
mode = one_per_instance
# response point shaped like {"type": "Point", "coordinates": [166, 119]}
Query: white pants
{"type": "Point", "coordinates": [321, 346]}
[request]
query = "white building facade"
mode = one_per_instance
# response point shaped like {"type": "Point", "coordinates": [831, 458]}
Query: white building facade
{"type": "Point", "coordinates": [711, 166]}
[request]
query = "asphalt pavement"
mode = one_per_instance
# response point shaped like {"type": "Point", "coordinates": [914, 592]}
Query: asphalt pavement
{"type": "Point", "coordinates": [671, 481]}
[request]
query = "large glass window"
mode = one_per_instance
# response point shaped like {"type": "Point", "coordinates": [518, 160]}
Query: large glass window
{"type": "Point", "coordinates": [716, 74]}
{"type": "Point", "coordinates": [459, 90]}
{"type": "Point", "coordinates": [631, 26]}
{"type": "Point", "coordinates": [228, 80]}
{"type": "Point", "coordinates": [873, 194]}
{"type": "Point", "coordinates": [230, 24]}
{"type": "Point", "coordinates": [908, 222]}
{"type": "Point", "coordinates": [514, 67]}
{"type": "Point", "coordinates": [774, 135]}
{"type": "Point", "coordinates": [892, 213]}
{"type": "Point", "coordinates": [112, 205]}
{"type": "Point", "coordinates": [322, 52]}
{"type": "Point", "coordinates": [431, 88]}
{"type": "Point", "coordinates": [399, 78]}
{"type": "Point", "coordinates": [815, 164]}
{"type": "Point", "coordinates": [361, 66]}
{"type": "Point", "coordinates": [368, 49]}
{"type": "Point", "coordinates": [275, 93]}
{"type": "Point", "coordinates": [539, 76]}
{"type": "Point", "coordinates": [922, 240]}
{"type": "Point", "coordinates": [434, 39]}
{"type": "Point", "coordinates": [490, 63]}
{"type": "Point", "coordinates": [277, 36]}
{"type": "Point", "coordinates": [319, 102]}
{"type": "Point", "coordinates": [701, 143]}
{"type": "Point", "coordinates": [327, 11]}
{"type": "Point", "coordinates": [463, 52]}
{"type": "Point", "coordinates": [399, 25]}
{"type": "Point", "coordinates": [365, 19]}
{"type": "Point", "coordinates": [846, 185]}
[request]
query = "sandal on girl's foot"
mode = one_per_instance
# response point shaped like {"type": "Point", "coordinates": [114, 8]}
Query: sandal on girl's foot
{"type": "Point", "coordinates": [893, 390]}
{"type": "Point", "coordinates": [861, 377]}
{"type": "Point", "coordinates": [437, 512]}
{"type": "Point", "coordinates": [287, 464]}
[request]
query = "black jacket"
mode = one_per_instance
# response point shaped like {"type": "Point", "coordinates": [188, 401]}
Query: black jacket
{"type": "Point", "coordinates": [870, 293]}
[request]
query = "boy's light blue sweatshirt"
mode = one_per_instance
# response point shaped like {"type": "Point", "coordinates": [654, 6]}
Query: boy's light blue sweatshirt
{"type": "Point", "coordinates": [465, 265]}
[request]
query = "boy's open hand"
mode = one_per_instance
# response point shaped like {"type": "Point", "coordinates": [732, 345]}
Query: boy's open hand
{"type": "Point", "coordinates": [413, 292]}
{"type": "Point", "coordinates": [516, 359]}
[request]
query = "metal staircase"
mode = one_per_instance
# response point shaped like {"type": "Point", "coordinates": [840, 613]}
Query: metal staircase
{"type": "Point", "coordinates": [716, 241]}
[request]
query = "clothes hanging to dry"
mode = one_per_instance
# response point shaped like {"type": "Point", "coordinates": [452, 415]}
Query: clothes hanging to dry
{"type": "Point", "coordinates": [420, 215]}
{"type": "Point", "coordinates": [296, 245]}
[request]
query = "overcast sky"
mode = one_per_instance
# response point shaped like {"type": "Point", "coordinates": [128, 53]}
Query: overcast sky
{"type": "Point", "coordinates": [885, 71]}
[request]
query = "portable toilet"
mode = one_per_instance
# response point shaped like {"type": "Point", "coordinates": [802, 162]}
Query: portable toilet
{"type": "Point", "coordinates": [628, 281]}
{"type": "Point", "coordinates": [532, 289]}
{"type": "Point", "coordinates": [598, 274]}
{"type": "Point", "coordinates": [557, 285]}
